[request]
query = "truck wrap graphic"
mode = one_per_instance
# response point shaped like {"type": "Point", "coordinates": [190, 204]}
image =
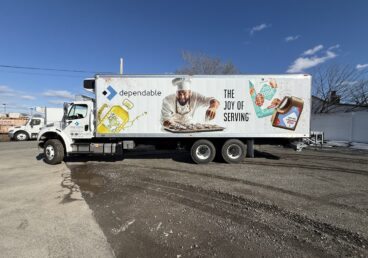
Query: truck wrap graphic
{"type": "Point", "coordinates": [200, 105]}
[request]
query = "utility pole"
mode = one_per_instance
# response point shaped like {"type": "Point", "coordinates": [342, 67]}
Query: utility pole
{"type": "Point", "coordinates": [121, 65]}
{"type": "Point", "coordinates": [4, 104]}
{"type": "Point", "coordinates": [31, 108]}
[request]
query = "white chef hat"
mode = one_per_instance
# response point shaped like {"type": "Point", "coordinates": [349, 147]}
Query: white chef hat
{"type": "Point", "coordinates": [182, 83]}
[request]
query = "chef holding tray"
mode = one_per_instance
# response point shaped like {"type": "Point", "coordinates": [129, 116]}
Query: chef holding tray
{"type": "Point", "coordinates": [178, 109]}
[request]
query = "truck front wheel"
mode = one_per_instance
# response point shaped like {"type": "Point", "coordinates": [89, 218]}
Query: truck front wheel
{"type": "Point", "coordinates": [53, 151]}
{"type": "Point", "coordinates": [203, 152]}
{"type": "Point", "coordinates": [21, 136]}
{"type": "Point", "coordinates": [233, 151]}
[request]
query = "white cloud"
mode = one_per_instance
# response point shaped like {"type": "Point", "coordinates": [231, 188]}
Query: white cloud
{"type": "Point", "coordinates": [14, 99]}
{"type": "Point", "coordinates": [259, 28]}
{"type": "Point", "coordinates": [59, 94]}
{"type": "Point", "coordinates": [334, 47]}
{"type": "Point", "coordinates": [29, 97]}
{"type": "Point", "coordinates": [309, 58]}
{"type": "Point", "coordinates": [292, 38]}
{"type": "Point", "coordinates": [302, 63]}
{"type": "Point", "coordinates": [312, 51]}
{"type": "Point", "coordinates": [6, 90]}
{"type": "Point", "coordinates": [361, 66]}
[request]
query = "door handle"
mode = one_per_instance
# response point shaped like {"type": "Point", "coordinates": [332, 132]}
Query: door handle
{"type": "Point", "coordinates": [86, 128]}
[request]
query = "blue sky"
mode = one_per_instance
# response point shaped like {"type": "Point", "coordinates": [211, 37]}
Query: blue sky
{"type": "Point", "coordinates": [258, 36]}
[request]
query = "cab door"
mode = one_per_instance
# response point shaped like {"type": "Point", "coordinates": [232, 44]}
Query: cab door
{"type": "Point", "coordinates": [78, 121]}
{"type": "Point", "coordinates": [35, 127]}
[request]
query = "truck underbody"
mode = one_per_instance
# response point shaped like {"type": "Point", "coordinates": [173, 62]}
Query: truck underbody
{"type": "Point", "coordinates": [241, 147]}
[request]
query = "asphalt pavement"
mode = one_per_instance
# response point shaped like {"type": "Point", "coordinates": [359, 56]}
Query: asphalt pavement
{"type": "Point", "coordinates": [159, 204]}
{"type": "Point", "coordinates": [42, 212]}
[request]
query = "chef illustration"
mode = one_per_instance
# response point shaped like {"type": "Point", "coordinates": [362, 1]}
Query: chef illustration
{"type": "Point", "coordinates": [179, 108]}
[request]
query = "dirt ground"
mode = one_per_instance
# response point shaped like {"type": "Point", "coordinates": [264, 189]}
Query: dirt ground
{"type": "Point", "coordinates": [281, 203]}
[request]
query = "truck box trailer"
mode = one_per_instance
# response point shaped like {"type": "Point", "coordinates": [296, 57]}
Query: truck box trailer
{"type": "Point", "coordinates": [203, 113]}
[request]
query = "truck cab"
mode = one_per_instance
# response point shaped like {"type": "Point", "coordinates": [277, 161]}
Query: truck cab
{"type": "Point", "coordinates": [74, 134]}
{"type": "Point", "coordinates": [28, 131]}
{"type": "Point", "coordinates": [78, 120]}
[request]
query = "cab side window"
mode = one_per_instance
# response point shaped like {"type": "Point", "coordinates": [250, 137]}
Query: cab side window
{"type": "Point", "coordinates": [35, 122]}
{"type": "Point", "coordinates": [77, 112]}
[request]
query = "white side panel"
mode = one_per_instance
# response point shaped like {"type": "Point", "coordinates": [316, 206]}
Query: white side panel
{"type": "Point", "coordinates": [135, 106]}
{"type": "Point", "coordinates": [53, 115]}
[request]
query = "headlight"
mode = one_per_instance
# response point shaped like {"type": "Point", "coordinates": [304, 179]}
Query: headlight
{"type": "Point", "coordinates": [10, 131]}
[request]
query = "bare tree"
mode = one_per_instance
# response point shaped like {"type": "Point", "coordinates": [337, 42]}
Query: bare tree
{"type": "Point", "coordinates": [359, 93]}
{"type": "Point", "coordinates": [334, 84]}
{"type": "Point", "coordinates": [199, 63]}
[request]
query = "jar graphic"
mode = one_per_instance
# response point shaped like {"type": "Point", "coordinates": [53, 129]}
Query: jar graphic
{"type": "Point", "coordinates": [114, 120]}
{"type": "Point", "coordinates": [258, 99]}
{"type": "Point", "coordinates": [288, 113]}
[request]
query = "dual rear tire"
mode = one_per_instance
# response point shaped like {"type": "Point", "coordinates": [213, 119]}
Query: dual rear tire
{"type": "Point", "coordinates": [232, 151]}
{"type": "Point", "coordinates": [203, 152]}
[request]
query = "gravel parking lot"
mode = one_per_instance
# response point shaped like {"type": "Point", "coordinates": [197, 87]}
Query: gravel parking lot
{"type": "Point", "coordinates": [159, 204]}
{"type": "Point", "coordinates": [281, 203]}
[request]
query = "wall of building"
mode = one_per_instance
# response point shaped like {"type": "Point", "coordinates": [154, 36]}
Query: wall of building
{"type": "Point", "coordinates": [352, 126]}
{"type": "Point", "coordinates": [7, 122]}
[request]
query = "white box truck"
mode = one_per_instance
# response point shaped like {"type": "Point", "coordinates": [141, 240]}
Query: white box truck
{"type": "Point", "coordinates": [206, 114]}
{"type": "Point", "coordinates": [29, 131]}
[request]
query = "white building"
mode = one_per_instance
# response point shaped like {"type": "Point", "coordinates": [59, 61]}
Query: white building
{"type": "Point", "coordinates": [342, 122]}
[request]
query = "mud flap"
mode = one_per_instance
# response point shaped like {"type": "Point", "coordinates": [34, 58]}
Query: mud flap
{"type": "Point", "coordinates": [250, 148]}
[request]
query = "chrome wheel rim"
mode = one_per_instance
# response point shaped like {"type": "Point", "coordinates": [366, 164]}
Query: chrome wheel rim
{"type": "Point", "coordinates": [234, 151]}
{"type": "Point", "coordinates": [50, 152]}
{"type": "Point", "coordinates": [21, 137]}
{"type": "Point", "coordinates": [203, 152]}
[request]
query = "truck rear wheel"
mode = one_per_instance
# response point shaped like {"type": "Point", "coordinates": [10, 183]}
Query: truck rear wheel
{"type": "Point", "coordinates": [203, 152]}
{"type": "Point", "coordinates": [53, 151]}
{"type": "Point", "coordinates": [21, 136]}
{"type": "Point", "coordinates": [233, 151]}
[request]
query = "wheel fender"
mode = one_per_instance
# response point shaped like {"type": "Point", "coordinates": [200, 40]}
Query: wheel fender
{"type": "Point", "coordinates": [53, 131]}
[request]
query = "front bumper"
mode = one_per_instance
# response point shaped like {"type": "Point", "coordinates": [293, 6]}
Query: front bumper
{"type": "Point", "coordinates": [11, 134]}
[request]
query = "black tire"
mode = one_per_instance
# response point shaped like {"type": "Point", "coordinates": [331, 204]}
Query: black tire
{"type": "Point", "coordinates": [55, 146]}
{"type": "Point", "coordinates": [203, 152]}
{"type": "Point", "coordinates": [233, 151]}
{"type": "Point", "coordinates": [21, 136]}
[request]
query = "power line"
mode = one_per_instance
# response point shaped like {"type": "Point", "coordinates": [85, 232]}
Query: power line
{"type": "Point", "coordinates": [51, 69]}
{"type": "Point", "coordinates": [42, 74]}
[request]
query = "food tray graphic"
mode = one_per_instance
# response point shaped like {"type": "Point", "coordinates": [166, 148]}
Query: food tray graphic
{"type": "Point", "coordinates": [195, 129]}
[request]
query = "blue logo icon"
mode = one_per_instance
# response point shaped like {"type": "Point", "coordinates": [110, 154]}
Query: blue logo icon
{"type": "Point", "coordinates": [76, 123]}
{"type": "Point", "coordinates": [111, 91]}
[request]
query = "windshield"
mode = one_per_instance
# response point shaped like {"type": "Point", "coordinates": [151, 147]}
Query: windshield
{"type": "Point", "coordinates": [77, 111]}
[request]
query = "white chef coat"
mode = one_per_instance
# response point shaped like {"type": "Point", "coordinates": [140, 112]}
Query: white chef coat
{"type": "Point", "coordinates": [172, 111]}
